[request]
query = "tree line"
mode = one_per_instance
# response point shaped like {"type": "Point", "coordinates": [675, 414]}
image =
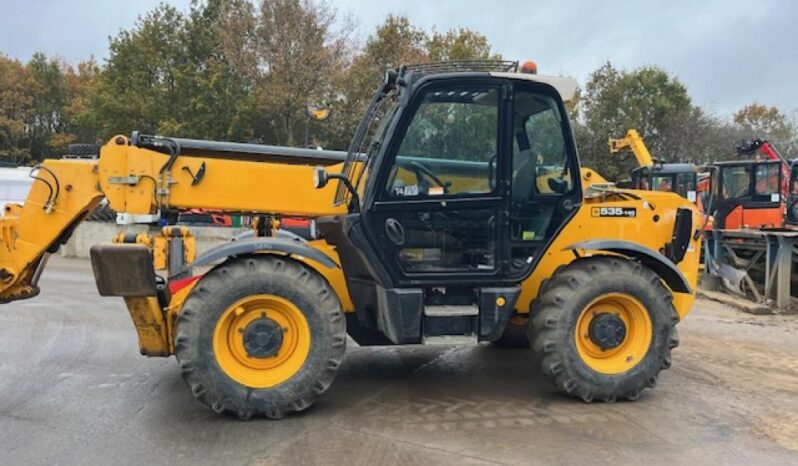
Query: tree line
{"type": "Point", "coordinates": [242, 71]}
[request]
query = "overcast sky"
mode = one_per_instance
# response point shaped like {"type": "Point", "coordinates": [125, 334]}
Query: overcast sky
{"type": "Point", "coordinates": [728, 53]}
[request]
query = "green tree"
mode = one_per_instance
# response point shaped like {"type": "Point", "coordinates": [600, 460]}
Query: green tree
{"type": "Point", "coordinates": [760, 121]}
{"type": "Point", "coordinates": [763, 121]}
{"type": "Point", "coordinates": [301, 53]}
{"type": "Point", "coordinates": [170, 75]}
{"type": "Point", "coordinates": [143, 84]}
{"type": "Point", "coordinates": [16, 107]}
{"type": "Point", "coordinates": [459, 44]}
{"type": "Point", "coordinates": [647, 99]}
{"type": "Point", "coordinates": [82, 82]}
{"type": "Point", "coordinates": [50, 98]}
{"type": "Point", "coordinates": [395, 42]}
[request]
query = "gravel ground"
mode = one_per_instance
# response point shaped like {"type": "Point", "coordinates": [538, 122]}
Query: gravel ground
{"type": "Point", "coordinates": [73, 390]}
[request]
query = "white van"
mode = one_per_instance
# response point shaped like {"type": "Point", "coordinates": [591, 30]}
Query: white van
{"type": "Point", "coordinates": [14, 185]}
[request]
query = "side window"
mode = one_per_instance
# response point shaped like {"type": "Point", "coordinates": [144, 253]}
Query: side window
{"type": "Point", "coordinates": [663, 183]}
{"type": "Point", "coordinates": [450, 147]}
{"type": "Point", "coordinates": [540, 168]}
{"type": "Point", "coordinates": [735, 182]}
{"type": "Point", "coordinates": [539, 157]}
{"type": "Point", "coordinates": [686, 185]}
{"type": "Point", "coordinates": [767, 179]}
{"type": "Point", "coordinates": [645, 183]}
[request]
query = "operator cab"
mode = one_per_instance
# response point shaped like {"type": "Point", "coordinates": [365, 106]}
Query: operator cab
{"type": "Point", "coordinates": [464, 176]}
{"type": "Point", "coordinates": [749, 195]}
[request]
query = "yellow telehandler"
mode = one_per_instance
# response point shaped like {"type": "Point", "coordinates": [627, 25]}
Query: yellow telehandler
{"type": "Point", "coordinates": [458, 207]}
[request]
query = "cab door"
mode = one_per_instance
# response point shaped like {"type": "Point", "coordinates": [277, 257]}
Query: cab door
{"type": "Point", "coordinates": [545, 190]}
{"type": "Point", "coordinates": [438, 211]}
{"type": "Point", "coordinates": [477, 180]}
{"type": "Point", "coordinates": [766, 208]}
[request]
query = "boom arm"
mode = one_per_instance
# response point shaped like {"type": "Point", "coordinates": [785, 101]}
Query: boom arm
{"type": "Point", "coordinates": [633, 142]}
{"type": "Point", "coordinates": [141, 180]}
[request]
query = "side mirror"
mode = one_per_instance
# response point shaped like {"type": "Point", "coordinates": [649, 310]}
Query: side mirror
{"type": "Point", "coordinates": [320, 177]}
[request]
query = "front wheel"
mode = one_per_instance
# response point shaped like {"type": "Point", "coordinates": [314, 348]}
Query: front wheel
{"type": "Point", "coordinates": [603, 328]}
{"type": "Point", "coordinates": [260, 336]}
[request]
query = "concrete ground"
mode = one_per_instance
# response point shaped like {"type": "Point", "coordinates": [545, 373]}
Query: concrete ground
{"type": "Point", "coordinates": [73, 390]}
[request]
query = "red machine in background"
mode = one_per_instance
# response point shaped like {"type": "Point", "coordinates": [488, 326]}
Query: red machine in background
{"type": "Point", "coordinates": [758, 193]}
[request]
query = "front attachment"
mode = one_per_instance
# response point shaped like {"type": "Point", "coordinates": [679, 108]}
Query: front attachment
{"type": "Point", "coordinates": [126, 270]}
{"type": "Point", "coordinates": [123, 270]}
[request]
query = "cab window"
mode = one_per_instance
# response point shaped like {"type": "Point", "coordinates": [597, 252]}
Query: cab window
{"type": "Point", "coordinates": [686, 185]}
{"type": "Point", "coordinates": [663, 183]}
{"type": "Point", "coordinates": [767, 179]}
{"type": "Point", "coordinates": [541, 173]}
{"type": "Point", "coordinates": [735, 182]}
{"type": "Point", "coordinates": [539, 153]}
{"type": "Point", "coordinates": [450, 147]}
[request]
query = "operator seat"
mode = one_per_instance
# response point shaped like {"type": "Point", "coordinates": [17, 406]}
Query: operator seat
{"type": "Point", "coordinates": [524, 177]}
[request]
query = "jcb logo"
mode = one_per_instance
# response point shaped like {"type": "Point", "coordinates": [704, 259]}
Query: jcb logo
{"type": "Point", "coordinates": [613, 212]}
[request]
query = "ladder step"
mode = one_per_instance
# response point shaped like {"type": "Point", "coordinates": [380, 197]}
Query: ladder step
{"type": "Point", "coordinates": [451, 311]}
{"type": "Point", "coordinates": [451, 340]}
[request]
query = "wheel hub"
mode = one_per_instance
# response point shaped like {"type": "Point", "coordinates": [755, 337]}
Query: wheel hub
{"type": "Point", "coordinates": [263, 338]}
{"type": "Point", "coordinates": [607, 331]}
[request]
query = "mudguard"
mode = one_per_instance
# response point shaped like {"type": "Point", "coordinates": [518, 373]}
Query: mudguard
{"type": "Point", "coordinates": [256, 245]}
{"type": "Point", "coordinates": [657, 262]}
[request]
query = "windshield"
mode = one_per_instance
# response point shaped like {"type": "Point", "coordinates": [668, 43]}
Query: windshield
{"type": "Point", "coordinates": [683, 184]}
{"type": "Point", "coordinates": [367, 140]}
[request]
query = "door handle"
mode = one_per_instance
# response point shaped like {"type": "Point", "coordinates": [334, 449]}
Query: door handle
{"type": "Point", "coordinates": [395, 231]}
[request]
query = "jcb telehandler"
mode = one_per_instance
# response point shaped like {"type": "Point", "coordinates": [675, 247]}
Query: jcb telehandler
{"type": "Point", "coordinates": [458, 207]}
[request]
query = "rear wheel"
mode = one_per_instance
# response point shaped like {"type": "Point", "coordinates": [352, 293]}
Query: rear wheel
{"type": "Point", "coordinates": [603, 328]}
{"type": "Point", "coordinates": [260, 336]}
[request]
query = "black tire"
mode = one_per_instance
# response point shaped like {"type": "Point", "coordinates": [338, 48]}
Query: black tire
{"type": "Point", "coordinates": [514, 336]}
{"type": "Point", "coordinates": [237, 279]}
{"type": "Point", "coordinates": [557, 309]}
{"type": "Point", "coordinates": [83, 150]}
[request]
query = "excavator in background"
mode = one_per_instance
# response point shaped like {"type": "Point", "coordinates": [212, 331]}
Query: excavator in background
{"type": "Point", "coordinates": [459, 206]}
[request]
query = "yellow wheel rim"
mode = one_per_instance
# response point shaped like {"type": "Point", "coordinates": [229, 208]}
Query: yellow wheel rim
{"type": "Point", "coordinates": [634, 346]}
{"type": "Point", "coordinates": [261, 371]}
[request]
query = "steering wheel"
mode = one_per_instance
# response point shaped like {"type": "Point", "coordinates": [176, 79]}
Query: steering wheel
{"type": "Point", "coordinates": [420, 169]}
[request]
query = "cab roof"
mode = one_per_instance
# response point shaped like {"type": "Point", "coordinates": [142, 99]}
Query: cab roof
{"type": "Point", "coordinates": [504, 69]}
{"type": "Point", "coordinates": [565, 86]}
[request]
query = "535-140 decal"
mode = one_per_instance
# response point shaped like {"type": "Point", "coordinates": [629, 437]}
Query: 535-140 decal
{"type": "Point", "coordinates": [613, 212]}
